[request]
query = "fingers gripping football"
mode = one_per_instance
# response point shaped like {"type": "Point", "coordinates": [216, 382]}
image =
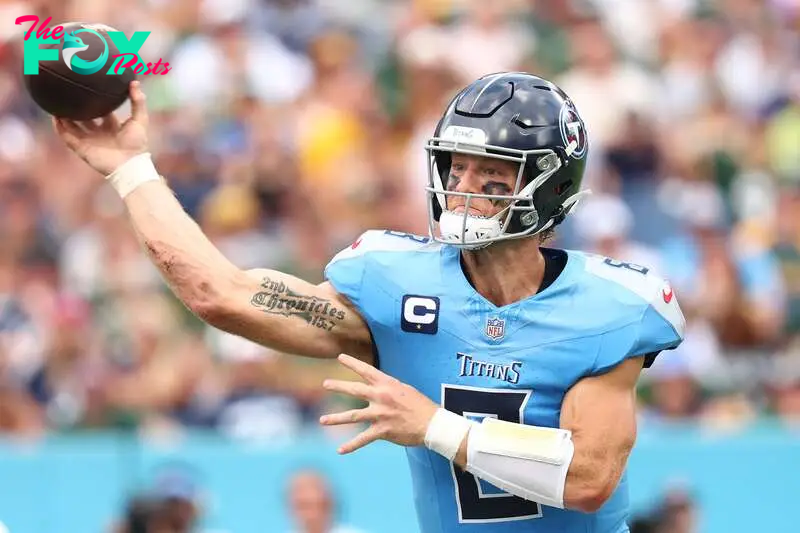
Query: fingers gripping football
{"type": "Point", "coordinates": [105, 144]}
{"type": "Point", "coordinates": [396, 412]}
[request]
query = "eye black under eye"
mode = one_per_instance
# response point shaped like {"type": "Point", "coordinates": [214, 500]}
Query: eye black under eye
{"type": "Point", "coordinates": [495, 187]}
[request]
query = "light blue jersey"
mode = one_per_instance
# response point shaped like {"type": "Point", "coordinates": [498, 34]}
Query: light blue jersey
{"type": "Point", "coordinates": [433, 331]}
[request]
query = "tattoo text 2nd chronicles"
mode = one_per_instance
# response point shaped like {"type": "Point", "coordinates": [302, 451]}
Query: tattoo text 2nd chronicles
{"type": "Point", "coordinates": [278, 299]}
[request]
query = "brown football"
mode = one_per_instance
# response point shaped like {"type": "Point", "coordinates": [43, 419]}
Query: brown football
{"type": "Point", "coordinates": [61, 90]}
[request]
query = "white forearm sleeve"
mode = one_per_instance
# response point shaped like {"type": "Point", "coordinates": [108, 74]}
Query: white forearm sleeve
{"type": "Point", "coordinates": [528, 461]}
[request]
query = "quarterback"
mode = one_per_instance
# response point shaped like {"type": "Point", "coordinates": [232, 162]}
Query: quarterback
{"type": "Point", "coordinates": [505, 367]}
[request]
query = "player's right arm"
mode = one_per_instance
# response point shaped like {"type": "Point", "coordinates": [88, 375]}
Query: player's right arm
{"type": "Point", "coordinates": [274, 309]}
{"type": "Point", "coordinates": [269, 307]}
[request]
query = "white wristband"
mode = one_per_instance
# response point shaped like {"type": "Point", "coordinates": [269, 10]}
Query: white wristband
{"type": "Point", "coordinates": [132, 173]}
{"type": "Point", "coordinates": [445, 433]}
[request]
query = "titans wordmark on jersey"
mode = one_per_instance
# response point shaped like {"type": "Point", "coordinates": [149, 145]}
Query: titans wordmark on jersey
{"type": "Point", "coordinates": [433, 331]}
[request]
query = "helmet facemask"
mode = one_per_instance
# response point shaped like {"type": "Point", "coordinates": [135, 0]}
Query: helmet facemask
{"type": "Point", "coordinates": [518, 219]}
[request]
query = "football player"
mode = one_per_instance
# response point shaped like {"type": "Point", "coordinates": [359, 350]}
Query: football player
{"type": "Point", "coordinates": [507, 368]}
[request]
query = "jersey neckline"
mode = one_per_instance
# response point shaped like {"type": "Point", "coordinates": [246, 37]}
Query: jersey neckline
{"type": "Point", "coordinates": [451, 260]}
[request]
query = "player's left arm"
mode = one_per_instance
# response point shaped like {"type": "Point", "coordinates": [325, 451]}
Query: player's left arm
{"type": "Point", "coordinates": [577, 466]}
{"type": "Point", "coordinates": [600, 413]}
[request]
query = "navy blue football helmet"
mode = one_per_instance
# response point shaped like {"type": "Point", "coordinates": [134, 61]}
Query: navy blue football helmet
{"type": "Point", "coordinates": [517, 117]}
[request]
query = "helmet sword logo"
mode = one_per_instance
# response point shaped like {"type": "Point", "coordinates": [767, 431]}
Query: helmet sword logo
{"type": "Point", "coordinates": [573, 131]}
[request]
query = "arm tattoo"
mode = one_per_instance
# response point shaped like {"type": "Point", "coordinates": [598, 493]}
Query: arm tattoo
{"type": "Point", "coordinates": [278, 299]}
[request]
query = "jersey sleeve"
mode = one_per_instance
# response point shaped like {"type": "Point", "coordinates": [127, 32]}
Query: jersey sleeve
{"type": "Point", "coordinates": [661, 328]}
{"type": "Point", "coordinates": [369, 262]}
{"type": "Point", "coordinates": [346, 270]}
{"type": "Point", "coordinates": [368, 272]}
{"type": "Point", "coordinates": [656, 325]}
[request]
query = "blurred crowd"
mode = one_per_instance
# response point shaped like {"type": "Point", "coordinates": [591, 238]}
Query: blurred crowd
{"type": "Point", "coordinates": [176, 502]}
{"type": "Point", "coordinates": [287, 127]}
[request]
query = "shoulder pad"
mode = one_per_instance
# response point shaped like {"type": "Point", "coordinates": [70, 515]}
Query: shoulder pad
{"type": "Point", "coordinates": [386, 241]}
{"type": "Point", "coordinates": [641, 281]}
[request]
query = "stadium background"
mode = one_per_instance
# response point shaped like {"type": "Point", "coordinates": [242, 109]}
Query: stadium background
{"type": "Point", "coordinates": [286, 127]}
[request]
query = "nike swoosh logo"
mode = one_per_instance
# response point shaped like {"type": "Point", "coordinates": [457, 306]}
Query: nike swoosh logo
{"type": "Point", "coordinates": [667, 294]}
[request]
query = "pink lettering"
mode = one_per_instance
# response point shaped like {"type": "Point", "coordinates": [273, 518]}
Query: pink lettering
{"type": "Point", "coordinates": [43, 32]}
{"type": "Point", "coordinates": [27, 18]}
{"type": "Point", "coordinates": [154, 68]}
{"type": "Point", "coordinates": [132, 61]}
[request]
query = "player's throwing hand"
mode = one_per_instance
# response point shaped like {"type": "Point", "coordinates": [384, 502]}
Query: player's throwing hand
{"type": "Point", "coordinates": [107, 144]}
{"type": "Point", "coordinates": [397, 412]}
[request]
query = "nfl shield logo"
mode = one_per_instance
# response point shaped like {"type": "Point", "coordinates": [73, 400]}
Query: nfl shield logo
{"type": "Point", "coordinates": [495, 328]}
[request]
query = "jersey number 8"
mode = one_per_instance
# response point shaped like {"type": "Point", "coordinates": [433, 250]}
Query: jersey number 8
{"type": "Point", "coordinates": [473, 504]}
{"type": "Point", "coordinates": [629, 266]}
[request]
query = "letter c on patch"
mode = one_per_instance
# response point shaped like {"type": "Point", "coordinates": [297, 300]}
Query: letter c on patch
{"type": "Point", "coordinates": [420, 314]}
